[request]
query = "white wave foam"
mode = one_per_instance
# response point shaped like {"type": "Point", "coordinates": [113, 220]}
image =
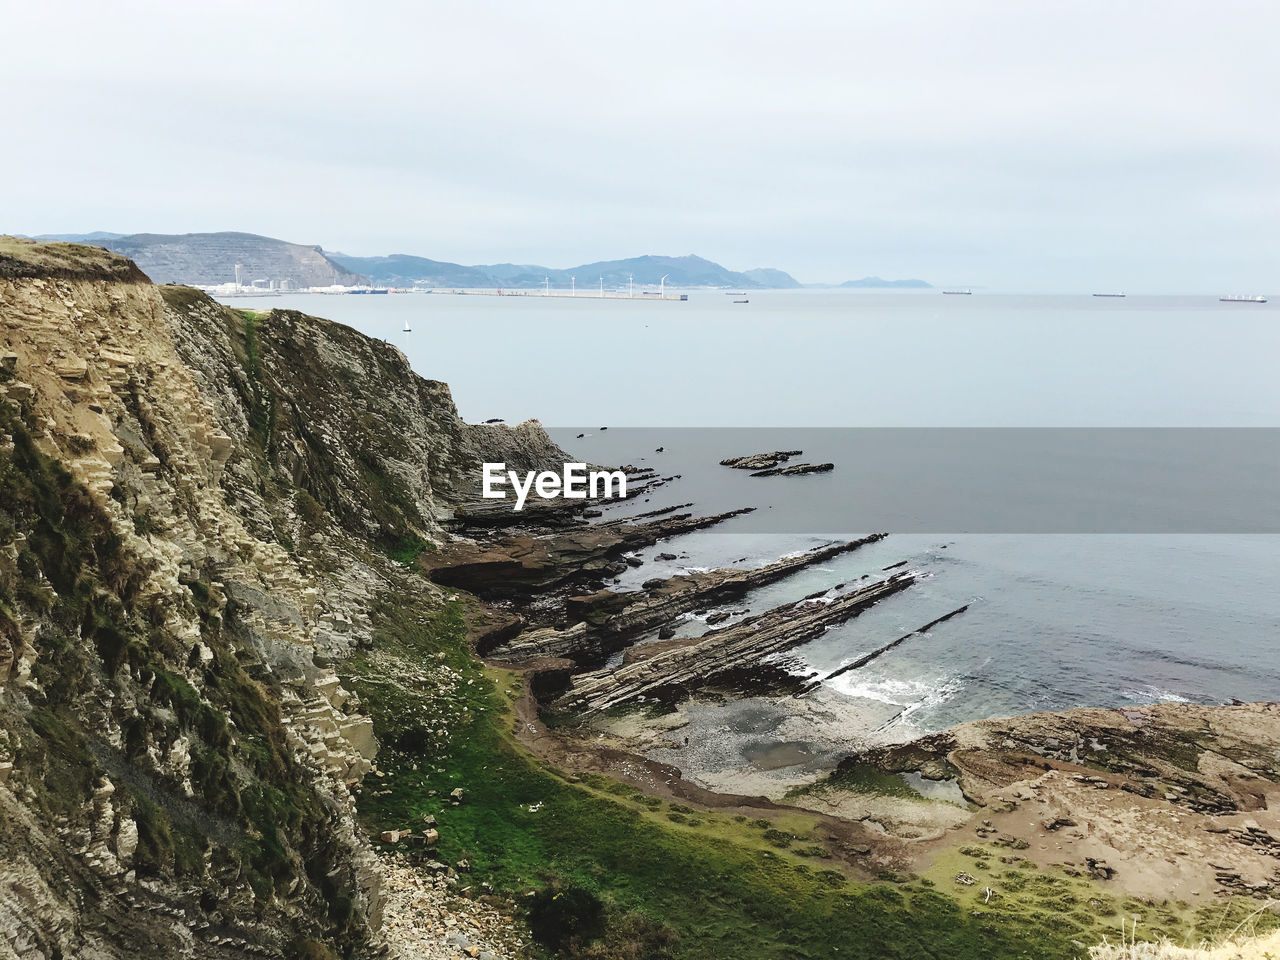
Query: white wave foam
{"type": "Point", "coordinates": [1154, 695]}
{"type": "Point", "coordinates": [912, 695]}
{"type": "Point", "coordinates": [822, 600]}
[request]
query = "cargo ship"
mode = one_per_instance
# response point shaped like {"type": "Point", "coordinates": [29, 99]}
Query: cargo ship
{"type": "Point", "coordinates": [1108, 294]}
{"type": "Point", "coordinates": [1239, 299]}
{"type": "Point", "coordinates": [957, 293]}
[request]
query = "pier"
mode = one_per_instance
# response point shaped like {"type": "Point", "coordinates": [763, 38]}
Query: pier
{"type": "Point", "coordinates": [585, 294]}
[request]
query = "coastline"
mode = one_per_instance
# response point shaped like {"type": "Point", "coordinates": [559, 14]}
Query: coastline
{"type": "Point", "coordinates": [273, 685]}
{"type": "Point", "coordinates": [1149, 808]}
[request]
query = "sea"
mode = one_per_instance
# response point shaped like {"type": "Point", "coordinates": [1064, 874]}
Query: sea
{"type": "Point", "coordinates": [1125, 604]}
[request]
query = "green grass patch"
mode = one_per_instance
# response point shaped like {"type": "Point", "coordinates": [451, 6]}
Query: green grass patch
{"type": "Point", "coordinates": [713, 879]}
{"type": "Point", "coordinates": [405, 550]}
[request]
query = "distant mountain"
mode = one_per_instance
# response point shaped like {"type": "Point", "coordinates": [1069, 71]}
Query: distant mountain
{"type": "Point", "coordinates": [771, 278]}
{"type": "Point", "coordinates": [689, 271]}
{"type": "Point", "coordinates": [402, 270]}
{"type": "Point", "coordinates": [211, 258]}
{"type": "Point", "coordinates": [79, 237]}
{"type": "Point", "coordinates": [877, 283]}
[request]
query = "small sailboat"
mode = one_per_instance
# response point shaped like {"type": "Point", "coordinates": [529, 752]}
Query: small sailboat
{"type": "Point", "coordinates": [407, 328]}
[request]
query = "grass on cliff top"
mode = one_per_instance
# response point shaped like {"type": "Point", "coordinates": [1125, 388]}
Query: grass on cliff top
{"type": "Point", "coordinates": [729, 888]}
{"type": "Point", "coordinates": [23, 258]}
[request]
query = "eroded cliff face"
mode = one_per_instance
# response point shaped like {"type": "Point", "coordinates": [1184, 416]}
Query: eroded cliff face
{"type": "Point", "coordinates": [198, 510]}
{"type": "Point", "coordinates": [340, 416]}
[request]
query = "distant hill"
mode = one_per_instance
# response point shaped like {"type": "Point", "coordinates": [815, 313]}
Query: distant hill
{"type": "Point", "coordinates": [872, 283]}
{"type": "Point", "coordinates": [771, 278]}
{"type": "Point", "coordinates": [211, 258]}
{"type": "Point", "coordinates": [80, 237]}
{"type": "Point", "coordinates": [688, 271]}
{"type": "Point", "coordinates": [402, 270]}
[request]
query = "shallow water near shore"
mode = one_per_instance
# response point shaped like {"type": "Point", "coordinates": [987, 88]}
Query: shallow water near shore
{"type": "Point", "coordinates": [1054, 620]}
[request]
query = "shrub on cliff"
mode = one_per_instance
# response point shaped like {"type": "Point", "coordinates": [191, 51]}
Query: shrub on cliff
{"type": "Point", "coordinates": [632, 936]}
{"type": "Point", "coordinates": [562, 917]}
{"type": "Point", "coordinates": [580, 926]}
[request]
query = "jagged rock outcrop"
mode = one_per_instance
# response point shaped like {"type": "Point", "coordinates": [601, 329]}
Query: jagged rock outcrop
{"type": "Point", "coordinates": [796, 470]}
{"type": "Point", "coordinates": [523, 564]}
{"type": "Point", "coordinates": [760, 461]}
{"type": "Point", "coordinates": [342, 417]}
{"type": "Point", "coordinates": [677, 667]}
{"type": "Point", "coordinates": [606, 621]}
{"type": "Point", "coordinates": [183, 549]}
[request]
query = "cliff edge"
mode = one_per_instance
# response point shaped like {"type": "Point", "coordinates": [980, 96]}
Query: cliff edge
{"type": "Point", "coordinates": [199, 507]}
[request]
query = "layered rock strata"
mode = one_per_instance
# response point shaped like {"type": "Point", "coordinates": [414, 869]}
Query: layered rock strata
{"type": "Point", "coordinates": [201, 509]}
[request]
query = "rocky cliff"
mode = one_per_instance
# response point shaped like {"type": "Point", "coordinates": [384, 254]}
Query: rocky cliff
{"type": "Point", "coordinates": [198, 510]}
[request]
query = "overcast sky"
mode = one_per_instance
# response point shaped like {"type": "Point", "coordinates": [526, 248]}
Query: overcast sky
{"type": "Point", "coordinates": [1021, 146]}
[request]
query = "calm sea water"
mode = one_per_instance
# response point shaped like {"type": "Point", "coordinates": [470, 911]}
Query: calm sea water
{"type": "Point", "coordinates": [1054, 620]}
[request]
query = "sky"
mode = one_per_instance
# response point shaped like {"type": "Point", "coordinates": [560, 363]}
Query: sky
{"type": "Point", "coordinates": [1047, 146]}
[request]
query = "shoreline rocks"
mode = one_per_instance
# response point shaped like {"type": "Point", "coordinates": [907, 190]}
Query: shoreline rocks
{"type": "Point", "coordinates": [524, 564]}
{"type": "Point", "coordinates": [607, 620]}
{"type": "Point", "coordinates": [796, 470]}
{"type": "Point", "coordinates": [677, 667]}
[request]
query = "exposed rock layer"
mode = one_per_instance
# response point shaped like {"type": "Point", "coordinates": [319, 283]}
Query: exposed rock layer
{"type": "Point", "coordinates": [1168, 800]}
{"type": "Point", "coordinates": [656, 669]}
{"type": "Point", "coordinates": [524, 564]}
{"type": "Point", "coordinates": [606, 621]}
{"type": "Point", "coordinates": [193, 502]}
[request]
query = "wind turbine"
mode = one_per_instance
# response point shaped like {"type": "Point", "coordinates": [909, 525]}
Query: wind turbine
{"type": "Point", "coordinates": [630, 278]}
